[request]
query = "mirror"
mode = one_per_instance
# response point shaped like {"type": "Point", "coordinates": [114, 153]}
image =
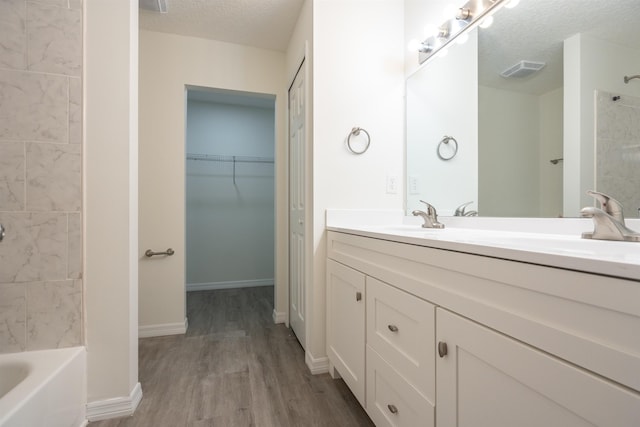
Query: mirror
{"type": "Point", "coordinates": [531, 144]}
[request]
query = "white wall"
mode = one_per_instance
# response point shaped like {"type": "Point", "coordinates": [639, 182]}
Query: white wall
{"type": "Point", "coordinates": [110, 195]}
{"type": "Point", "coordinates": [230, 223]}
{"type": "Point", "coordinates": [442, 99]}
{"type": "Point", "coordinates": [519, 134]}
{"type": "Point", "coordinates": [550, 113]}
{"type": "Point", "coordinates": [589, 64]}
{"type": "Point", "coordinates": [358, 80]}
{"type": "Point", "coordinates": [509, 153]}
{"type": "Point", "coordinates": [167, 63]}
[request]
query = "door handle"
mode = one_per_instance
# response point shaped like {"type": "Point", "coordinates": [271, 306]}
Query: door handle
{"type": "Point", "coordinates": [442, 349]}
{"type": "Point", "coordinates": [2, 233]}
{"type": "Point", "coordinates": [149, 253]}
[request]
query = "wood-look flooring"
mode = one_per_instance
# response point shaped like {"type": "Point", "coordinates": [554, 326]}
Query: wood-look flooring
{"type": "Point", "coordinates": [235, 367]}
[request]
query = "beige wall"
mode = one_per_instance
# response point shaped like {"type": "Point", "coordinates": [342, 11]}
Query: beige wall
{"type": "Point", "coordinates": [169, 63]}
{"type": "Point", "coordinates": [358, 80]}
{"type": "Point", "coordinates": [40, 175]}
{"type": "Point", "coordinates": [110, 194]}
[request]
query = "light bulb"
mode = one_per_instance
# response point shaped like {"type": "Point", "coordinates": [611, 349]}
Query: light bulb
{"type": "Point", "coordinates": [486, 22]}
{"type": "Point", "coordinates": [449, 12]}
{"type": "Point", "coordinates": [511, 4]}
{"type": "Point", "coordinates": [430, 30]}
{"type": "Point", "coordinates": [413, 45]}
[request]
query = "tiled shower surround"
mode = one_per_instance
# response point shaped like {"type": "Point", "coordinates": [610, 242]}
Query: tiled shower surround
{"type": "Point", "coordinates": [40, 174]}
{"type": "Point", "coordinates": [618, 149]}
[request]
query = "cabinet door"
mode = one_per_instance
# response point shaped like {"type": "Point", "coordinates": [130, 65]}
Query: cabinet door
{"type": "Point", "coordinates": [345, 325]}
{"type": "Point", "coordinates": [488, 379]}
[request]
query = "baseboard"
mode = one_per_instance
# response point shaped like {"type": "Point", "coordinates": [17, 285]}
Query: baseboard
{"type": "Point", "coordinates": [317, 365]}
{"type": "Point", "coordinates": [279, 316]}
{"type": "Point", "coordinates": [163, 329]}
{"type": "Point", "coordinates": [116, 407]}
{"type": "Point", "coordinates": [233, 284]}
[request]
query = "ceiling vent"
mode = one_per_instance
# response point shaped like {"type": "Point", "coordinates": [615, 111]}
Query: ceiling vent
{"type": "Point", "coordinates": [523, 69]}
{"type": "Point", "coordinates": [154, 5]}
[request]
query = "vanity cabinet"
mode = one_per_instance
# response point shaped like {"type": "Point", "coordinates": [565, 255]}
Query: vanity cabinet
{"type": "Point", "coordinates": [507, 343]}
{"type": "Point", "coordinates": [345, 326]}
{"type": "Point", "coordinates": [486, 379]}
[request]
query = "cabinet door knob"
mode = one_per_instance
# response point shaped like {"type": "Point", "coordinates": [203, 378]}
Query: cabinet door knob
{"type": "Point", "coordinates": [442, 349]}
{"type": "Point", "coordinates": [392, 408]}
{"type": "Point", "coordinates": [393, 328]}
{"type": "Point", "coordinates": [358, 296]}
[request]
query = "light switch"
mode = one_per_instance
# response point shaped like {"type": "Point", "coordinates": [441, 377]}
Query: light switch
{"type": "Point", "coordinates": [392, 184]}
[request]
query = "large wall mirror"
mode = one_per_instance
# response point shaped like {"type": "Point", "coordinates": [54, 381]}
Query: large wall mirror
{"type": "Point", "coordinates": [530, 142]}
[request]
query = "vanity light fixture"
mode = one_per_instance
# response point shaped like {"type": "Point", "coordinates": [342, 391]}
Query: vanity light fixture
{"type": "Point", "coordinates": [473, 13]}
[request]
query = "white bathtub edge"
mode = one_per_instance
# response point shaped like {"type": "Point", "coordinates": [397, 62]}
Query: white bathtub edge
{"type": "Point", "coordinates": [116, 407]}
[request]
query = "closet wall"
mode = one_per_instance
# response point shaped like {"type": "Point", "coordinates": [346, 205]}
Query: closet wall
{"type": "Point", "coordinates": [229, 192]}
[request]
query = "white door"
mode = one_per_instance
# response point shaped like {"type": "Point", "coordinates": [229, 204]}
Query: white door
{"type": "Point", "coordinates": [486, 379]}
{"type": "Point", "coordinates": [297, 142]}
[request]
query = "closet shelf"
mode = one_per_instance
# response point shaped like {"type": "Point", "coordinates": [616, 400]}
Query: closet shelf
{"type": "Point", "coordinates": [230, 159]}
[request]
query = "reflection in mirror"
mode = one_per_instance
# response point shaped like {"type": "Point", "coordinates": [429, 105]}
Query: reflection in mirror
{"type": "Point", "coordinates": [510, 129]}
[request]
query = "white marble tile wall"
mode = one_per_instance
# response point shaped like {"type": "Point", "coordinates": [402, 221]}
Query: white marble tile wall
{"type": "Point", "coordinates": [40, 174]}
{"type": "Point", "coordinates": [618, 149]}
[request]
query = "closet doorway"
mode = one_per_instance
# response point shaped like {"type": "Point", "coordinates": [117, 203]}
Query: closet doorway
{"type": "Point", "coordinates": [230, 189]}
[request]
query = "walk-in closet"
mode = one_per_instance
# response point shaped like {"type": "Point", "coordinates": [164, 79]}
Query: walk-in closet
{"type": "Point", "coordinates": [229, 189]}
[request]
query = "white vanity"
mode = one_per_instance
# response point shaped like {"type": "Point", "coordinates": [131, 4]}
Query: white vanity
{"type": "Point", "coordinates": [462, 327]}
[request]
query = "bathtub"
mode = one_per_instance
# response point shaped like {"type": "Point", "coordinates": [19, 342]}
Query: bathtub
{"type": "Point", "coordinates": [43, 388]}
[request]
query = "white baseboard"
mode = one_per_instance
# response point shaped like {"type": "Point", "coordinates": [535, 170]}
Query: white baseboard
{"type": "Point", "coordinates": [163, 329]}
{"type": "Point", "coordinates": [317, 365]}
{"type": "Point", "coordinates": [116, 407]}
{"type": "Point", "coordinates": [279, 316]}
{"type": "Point", "coordinates": [228, 285]}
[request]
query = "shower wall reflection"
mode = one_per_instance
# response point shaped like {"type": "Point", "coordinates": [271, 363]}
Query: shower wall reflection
{"type": "Point", "coordinates": [618, 149]}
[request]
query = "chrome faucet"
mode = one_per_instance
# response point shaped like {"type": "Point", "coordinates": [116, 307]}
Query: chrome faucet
{"type": "Point", "coordinates": [608, 221]}
{"type": "Point", "coordinates": [460, 210]}
{"type": "Point", "coordinates": [430, 217]}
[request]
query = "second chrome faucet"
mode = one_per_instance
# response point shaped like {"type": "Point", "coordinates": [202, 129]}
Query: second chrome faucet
{"type": "Point", "coordinates": [608, 222]}
{"type": "Point", "coordinates": [429, 215]}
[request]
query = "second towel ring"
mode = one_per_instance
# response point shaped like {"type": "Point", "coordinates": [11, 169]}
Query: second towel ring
{"type": "Point", "coordinates": [355, 132]}
{"type": "Point", "coordinates": [445, 140]}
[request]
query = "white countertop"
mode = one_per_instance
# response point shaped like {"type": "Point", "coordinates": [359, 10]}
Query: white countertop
{"type": "Point", "coordinates": [569, 251]}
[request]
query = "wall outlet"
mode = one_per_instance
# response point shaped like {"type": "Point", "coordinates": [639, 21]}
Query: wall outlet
{"type": "Point", "coordinates": [392, 184]}
{"type": "Point", "coordinates": [413, 185]}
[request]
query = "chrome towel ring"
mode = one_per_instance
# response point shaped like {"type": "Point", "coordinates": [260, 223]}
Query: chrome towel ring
{"type": "Point", "coordinates": [445, 143]}
{"type": "Point", "coordinates": [355, 132]}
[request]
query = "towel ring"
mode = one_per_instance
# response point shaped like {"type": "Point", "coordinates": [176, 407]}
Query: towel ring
{"type": "Point", "coordinates": [355, 132]}
{"type": "Point", "coordinates": [445, 140]}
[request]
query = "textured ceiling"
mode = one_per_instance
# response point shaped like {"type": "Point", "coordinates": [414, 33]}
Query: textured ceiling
{"type": "Point", "coordinates": [266, 24]}
{"type": "Point", "coordinates": [535, 31]}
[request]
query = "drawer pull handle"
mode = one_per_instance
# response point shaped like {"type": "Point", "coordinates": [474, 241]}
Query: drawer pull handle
{"type": "Point", "coordinates": [393, 409]}
{"type": "Point", "coordinates": [442, 349]}
{"type": "Point", "coordinates": [358, 296]}
{"type": "Point", "coordinates": [393, 328]}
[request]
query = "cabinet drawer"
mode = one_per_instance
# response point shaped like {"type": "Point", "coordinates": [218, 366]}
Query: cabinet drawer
{"type": "Point", "coordinates": [401, 328]}
{"type": "Point", "coordinates": [391, 400]}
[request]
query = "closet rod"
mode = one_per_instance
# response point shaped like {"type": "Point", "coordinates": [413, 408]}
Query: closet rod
{"type": "Point", "coordinates": [230, 159]}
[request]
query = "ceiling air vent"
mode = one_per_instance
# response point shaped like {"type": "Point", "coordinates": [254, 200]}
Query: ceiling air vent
{"type": "Point", "coordinates": [523, 69]}
{"type": "Point", "coordinates": [154, 5]}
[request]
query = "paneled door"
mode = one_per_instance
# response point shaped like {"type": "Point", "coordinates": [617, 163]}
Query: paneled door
{"type": "Point", "coordinates": [297, 156]}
